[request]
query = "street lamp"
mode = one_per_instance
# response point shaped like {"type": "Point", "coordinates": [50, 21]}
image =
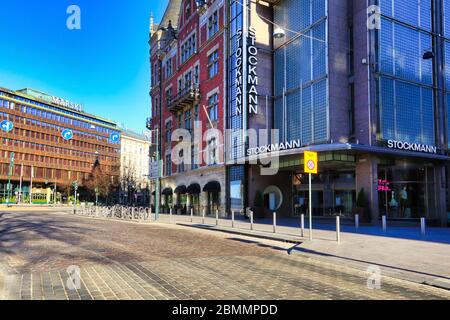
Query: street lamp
{"type": "Point", "coordinates": [428, 55]}
{"type": "Point", "coordinates": [279, 33]}
{"type": "Point", "coordinates": [158, 175]}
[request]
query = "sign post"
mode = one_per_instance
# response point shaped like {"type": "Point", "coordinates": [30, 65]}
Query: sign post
{"type": "Point", "coordinates": [311, 167]}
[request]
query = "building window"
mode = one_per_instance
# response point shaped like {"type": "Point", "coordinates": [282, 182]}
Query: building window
{"type": "Point", "coordinates": [169, 95]}
{"type": "Point", "coordinates": [188, 120]}
{"type": "Point", "coordinates": [188, 48]}
{"type": "Point", "coordinates": [169, 69]}
{"type": "Point", "coordinates": [213, 106]}
{"type": "Point", "coordinates": [168, 166]}
{"type": "Point", "coordinates": [168, 131]}
{"type": "Point", "coordinates": [212, 152]}
{"type": "Point", "coordinates": [188, 80]}
{"type": "Point", "coordinates": [196, 74]}
{"type": "Point", "coordinates": [213, 64]}
{"type": "Point", "coordinates": [213, 24]}
{"type": "Point", "coordinates": [188, 10]}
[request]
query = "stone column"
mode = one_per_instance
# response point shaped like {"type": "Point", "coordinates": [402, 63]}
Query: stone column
{"type": "Point", "coordinates": [203, 201]}
{"type": "Point", "coordinates": [367, 178]}
{"type": "Point", "coordinates": [440, 195]}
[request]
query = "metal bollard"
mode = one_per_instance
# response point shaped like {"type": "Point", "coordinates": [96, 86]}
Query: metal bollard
{"type": "Point", "coordinates": [338, 229]}
{"type": "Point", "coordinates": [384, 224]}
{"type": "Point", "coordinates": [170, 215]}
{"type": "Point", "coordinates": [150, 213]}
{"type": "Point", "coordinates": [232, 218]}
{"type": "Point", "coordinates": [203, 216]}
{"type": "Point", "coordinates": [302, 224]}
{"type": "Point", "coordinates": [357, 221]}
{"type": "Point", "coordinates": [274, 222]}
{"type": "Point", "coordinates": [192, 214]}
{"type": "Point", "coordinates": [217, 217]}
{"type": "Point", "coordinates": [422, 226]}
{"type": "Point", "coordinates": [251, 220]}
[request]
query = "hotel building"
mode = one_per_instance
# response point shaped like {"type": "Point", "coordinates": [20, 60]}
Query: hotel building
{"type": "Point", "coordinates": [366, 84]}
{"type": "Point", "coordinates": [48, 143]}
{"type": "Point", "coordinates": [134, 168]}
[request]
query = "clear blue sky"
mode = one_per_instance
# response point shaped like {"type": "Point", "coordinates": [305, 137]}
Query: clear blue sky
{"type": "Point", "coordinates": [104, 65]}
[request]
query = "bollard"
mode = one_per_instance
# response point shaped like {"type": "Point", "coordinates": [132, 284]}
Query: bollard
{"type": "Point", "coordinates": [170, 215]}
{"type": "Point", "coordinates": [217, 217]}
{"type": "Point", "coordinates": [383, 222]}
{"type": "Point", "coordinates": [338, 229]}
{"type": "Point", "coordinates": [251, 220]}
{"type": "Point", "coordinates": [232, 218]}
{"type": "Point", "coordinates": [422, 226]}
{"type": "Point", "coordinates": [274, 222]}
{"type": "Point", "coordinates": [357, 221]}
{"type": "Point", "coordinates": [203, 216]}
{"type": "Point", "coordinates": [192, 214]}
{"type": "Point", "coordinates": [302, 224]}
{"type": "Point", "coordinates": [150, 213]}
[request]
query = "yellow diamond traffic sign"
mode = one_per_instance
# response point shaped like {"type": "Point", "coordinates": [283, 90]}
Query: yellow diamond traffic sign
{"type": "Point", "coordinates": [311, 162]}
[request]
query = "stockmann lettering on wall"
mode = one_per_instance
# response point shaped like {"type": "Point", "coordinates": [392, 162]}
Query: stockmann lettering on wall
{"type": "Point", "coordinates": [250, 76]}
{"type": "Point", "coordinates": [288, 145]}
{"type": "Point", "coordinates": [408, 146]}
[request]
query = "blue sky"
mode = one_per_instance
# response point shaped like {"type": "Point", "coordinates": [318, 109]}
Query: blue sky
{"type": "Point", "coordinates": [104, 65]}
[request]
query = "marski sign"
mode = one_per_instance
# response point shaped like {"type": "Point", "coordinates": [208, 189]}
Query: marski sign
{"type": "Point", "coordinates": [246, 71]}
{"type": "Point", "coordinates": [408, 146]}
{"type": "Point", "coordinates": [68, 104]}
{"type": "Point", "coordinates": [274, 147]}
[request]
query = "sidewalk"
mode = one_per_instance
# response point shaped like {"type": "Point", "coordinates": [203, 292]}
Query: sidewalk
{"type": "Point", "coordinates": [400, 252]}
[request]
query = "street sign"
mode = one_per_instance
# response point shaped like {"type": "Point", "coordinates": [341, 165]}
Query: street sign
{"type": "Point", "coordinates": [67, 134]}
{"type": "Point", "coordinates": [311, 162]}
{"type": "Point", "coordinates": [154, 170]}
{"type": "Point", "coordinates": [115, 137]}
{"type": "Point", "coordinates": [6, 125]}
{"type": "Point", "coordinates": [312, 167]}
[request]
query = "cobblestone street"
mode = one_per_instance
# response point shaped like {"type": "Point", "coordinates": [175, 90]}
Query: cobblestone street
{"type": "Point", "coordinates": [121, 260]}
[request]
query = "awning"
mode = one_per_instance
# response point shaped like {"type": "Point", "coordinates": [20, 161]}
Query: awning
{"type": "Point", "coordinates": [212, 186]}
{"type": "Point", "coordinates": [193, 188]}
{"type": "Point", "coordinates": [180, 189]}
{"type": "Point", "coordinates": [167, 192]}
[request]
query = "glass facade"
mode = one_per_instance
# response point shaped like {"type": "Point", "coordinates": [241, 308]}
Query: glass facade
{"type": "Point", "coordinates": [301, 96]}
{"type": "Point", "coordinates": [236, 173]}
{"type": "Point", "coordinates": [406, 103]}
{"type": "Point", "coordinates": [446, 33]}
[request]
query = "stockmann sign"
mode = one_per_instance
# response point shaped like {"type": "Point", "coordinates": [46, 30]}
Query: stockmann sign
{"type": "Point", "coordinates": [408, 146]}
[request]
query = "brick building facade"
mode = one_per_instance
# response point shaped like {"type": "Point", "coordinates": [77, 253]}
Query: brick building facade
{"type": "Point", "coordinates": [188, 95]}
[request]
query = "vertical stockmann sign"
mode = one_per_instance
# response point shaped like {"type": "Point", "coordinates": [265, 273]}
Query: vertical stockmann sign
{"type": "Point", "coordinates": [247, 95]}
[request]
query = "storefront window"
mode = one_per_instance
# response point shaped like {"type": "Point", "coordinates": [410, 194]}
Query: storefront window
{"type": "Point", "coordinates": [405, 190]}
{"type": "Point", "coordinates": [333, 193]}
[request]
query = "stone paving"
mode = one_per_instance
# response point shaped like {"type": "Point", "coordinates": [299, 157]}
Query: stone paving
{"type": "Point", "coordinates": [120, 260]}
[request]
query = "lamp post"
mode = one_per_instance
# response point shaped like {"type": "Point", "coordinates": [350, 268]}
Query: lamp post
{"type": "Point", "coordinates": [96, 196]}
{"type": "Point", "coordinates": [158, 175]}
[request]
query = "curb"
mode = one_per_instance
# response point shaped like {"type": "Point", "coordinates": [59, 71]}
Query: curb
{"type": "Point", "coordinates": [412, 276]}
{"type": "Point", "coordinates": [254, 234]}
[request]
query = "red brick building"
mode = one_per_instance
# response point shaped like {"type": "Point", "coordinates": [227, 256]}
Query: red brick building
{"type": "Point", "coordinates": [188, 92]}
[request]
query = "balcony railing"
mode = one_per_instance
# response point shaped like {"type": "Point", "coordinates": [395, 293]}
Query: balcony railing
{"type": "Point", "coordinates": [149, 123]}
{"type": "Point", "coordinates": [185, 97]}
